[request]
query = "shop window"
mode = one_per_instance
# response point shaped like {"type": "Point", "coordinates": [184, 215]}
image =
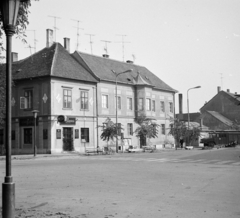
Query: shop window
{"type": "Point", "coordinates": [85, 134]}
{"type": "Point", "coordinates": [27, 135]}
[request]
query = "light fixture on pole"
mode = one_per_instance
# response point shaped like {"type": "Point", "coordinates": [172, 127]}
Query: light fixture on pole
{"type": "Point", "coordinates": [35, 112]}
{"type": "Point", "coordinates": [117, 74]}
{"type": "Point", "coordinates": [9, 12]}
{"type": "Point", "coordinates": [197, 87]}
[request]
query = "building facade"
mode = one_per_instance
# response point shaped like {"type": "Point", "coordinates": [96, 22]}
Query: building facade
{"type": "Point", "coordinates": [75, 94]}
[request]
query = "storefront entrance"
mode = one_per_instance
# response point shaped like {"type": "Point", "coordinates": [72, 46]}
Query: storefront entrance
{"type": "Point", "coordinates": [68, 139]}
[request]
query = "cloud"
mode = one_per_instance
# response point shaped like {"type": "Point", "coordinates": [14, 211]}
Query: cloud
{"type": "Point", "coordinates": [236, 35]}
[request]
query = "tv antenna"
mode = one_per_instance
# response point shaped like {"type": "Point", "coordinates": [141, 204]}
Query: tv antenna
{"type": "Point", "coordinates": [123, 42]}
{"type": "Point", "coordinates": [221, 80]}
{"type": "Point", "coordinates": [91, 42]}
{"type": "Point", "coordinates": [34, 41]}
{"type": "Point", "coordinates": [105, 48]}
{"type": "Point", "coordinates": [55, 25]}
{"type": "Point", "coordinates": [78, 28]}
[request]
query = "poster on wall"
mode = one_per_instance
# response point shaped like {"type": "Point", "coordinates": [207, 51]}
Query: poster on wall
{"type": "Point", "coordinates": [58, 133]}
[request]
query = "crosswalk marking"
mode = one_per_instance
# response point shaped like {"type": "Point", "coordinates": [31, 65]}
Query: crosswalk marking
{"type": "Point", "coordinates": [169, 160]}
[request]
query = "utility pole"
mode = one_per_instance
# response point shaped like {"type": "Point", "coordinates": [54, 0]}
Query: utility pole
{"type": "Point", "coordinates": [105, 48]}
{"type": "Point", "coordinates": [123, 42]}
{"type": "Point", "coordinates": [91, 42]}
{"type": "Point", "coordinates": [34, 41]}
{"type": "Point", "coordinates": [78, 28]}
{"type": "Point", "coordinates": [55, 25]}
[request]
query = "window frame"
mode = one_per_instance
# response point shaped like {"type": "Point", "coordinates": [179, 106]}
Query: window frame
{"type": "Point", "coordinates": [85, 134]}
{"type": "Point", "coordinates": [129, 103]}
{"type": "Point", "coordinates": [163, 129]}
{"type": "Point", "coordinates": [148, 104]}
{"type": "Point", "coordinates": [140, 104]}
{"type": "Point", "coordinates": [171, 107]}
{"type": "Point", "coordinates": [130, 128]}
{"type": "Point", "coordinates": [153, 105]}
{"type": "Point", "coordinates": [162, 106]}
{"type": "Point", "coordinates": [84, 95]}
{"type": "Point", "coordinates": [26, 102]}
{"type": "Point", "coordinates": [106, 103]}
{"type": "Point", "coordinates": [65, 103]}
{"type": "Point", "coordinates": [119, 102]}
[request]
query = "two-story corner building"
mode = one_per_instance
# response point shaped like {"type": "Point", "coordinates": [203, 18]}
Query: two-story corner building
{"type": "Point", "coordinates": [139, 91]}
{"type": "Point", "coordinates": [54, 83]}
{"type": "Point", "coordinates": [75, 94]}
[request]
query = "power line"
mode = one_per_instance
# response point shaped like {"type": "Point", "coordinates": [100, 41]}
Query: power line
{"type": "Point", "coordinates": [91, 42]}
{"type": "Point", "coordinates": [78, 28]}
{"type": "Point", "coordinates": [55, 25]}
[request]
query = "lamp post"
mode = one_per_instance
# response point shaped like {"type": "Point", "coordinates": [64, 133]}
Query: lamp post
{"type": "Point", "coordinates": [9, 12]}
{"type": "Point", "coordinates": [117, 74]}
{"type": "Point", "coordinates": [35, 112]}
{"type": "Point", "coordinates": [197, 87]}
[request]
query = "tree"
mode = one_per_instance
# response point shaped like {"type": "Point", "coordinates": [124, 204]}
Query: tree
{"type": "Point", "coordinates": [109, 130]}
{"type": "Point", "coordinates": [147, 128]}
{"type": "Point", "coordinates": [22, 22]}
{"type": "Point", "coordinates": [179, 129]}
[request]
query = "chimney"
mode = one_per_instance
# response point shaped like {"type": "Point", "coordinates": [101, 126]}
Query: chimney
{"type": "Point", "coordinates": [49, 38]}
{"type": "Point", "coordinates": [14, 56]}
{"type": "Point", "coordinates": [129, 62]}
{"type": "Point", "coordinates": [67, 44]}
{"type": "Point", "coordinates": [218, 89]}
{"type": "Point", "coordinates": [105, 55]}
{"type": "Point", "coordinates": [228, 90]}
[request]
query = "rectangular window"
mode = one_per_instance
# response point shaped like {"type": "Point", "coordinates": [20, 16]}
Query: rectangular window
{"type": "Point", "coordinates": [119, 130]}
{"type": "Point", "coordinates": [140, 104]}
{"type": "Point", "coordinates": [13, 135]}
{"type": "Point", "coordinates": [1, 137]}
{"type": "Point", "coordinates": [67, 98]}
{"type": "Point", "coordinates": [104, 101]}
{"type": "Point", "coordinates": [45, 134]}
{"type": "Point", "coordinates": [163, 129]}
{"type": "Point", "coordinates": [118, 102]}
{"type": "Point", "coordinates": [129, 104]}
{"type": "Point", "coordinates": [153, 105]}
{"type": "Point", "coordinates": [162, 106]}
{"type": "Point", "coordinates": [84, 100]}
{"type": "Point", "coordinates": [26, 101]}
{"type": "Point", "coordinates": [148, 104]}
{"type": "Point", "coordinates": [130, 129]}
{"type": "Point", "coordinates": [27, 135]}
{"type": "Point", "coordinates": [85, 134]}
{"type": "Point", "coordinates": [171, 107]}
{"type": "Point", "coordinates": [58, 133]}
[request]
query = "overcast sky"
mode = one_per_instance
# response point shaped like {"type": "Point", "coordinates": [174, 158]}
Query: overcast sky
{"type": "Point", "coordinates": [186, 43]}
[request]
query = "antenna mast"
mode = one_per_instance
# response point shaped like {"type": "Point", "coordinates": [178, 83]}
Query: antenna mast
{"type": "Point", "coordinates": [78, 28]}
{"type": "Point", "coordinates": [105, 48]}
{"type": "Point", "coordinates": [91, 42]}
{"type": "Point", "coordinates": [123, 42]}
{"type": "Point", "coordinates": [34, 41]}
{"type": "Point", "coordinates": [55, 25]}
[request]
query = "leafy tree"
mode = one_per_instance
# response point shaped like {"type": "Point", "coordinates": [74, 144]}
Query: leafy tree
{"type": "Point", "coordinates": [109, 130]}
{"type": "Point", "coordinates": [147, 128]}
{"type": "Point", "coordinates": [22, 22]}
{"type": "Point", "coordinates": [179, 129]}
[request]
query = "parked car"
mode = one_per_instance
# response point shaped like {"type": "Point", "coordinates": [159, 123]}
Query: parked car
{"type": "Point", "coordinates": [208, 142]}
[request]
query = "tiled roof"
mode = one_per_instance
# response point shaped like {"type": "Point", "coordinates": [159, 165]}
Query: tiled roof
{"type": "Point", "coordinates": [221, 118]}
{"type": "Point", "coordinates": [102, 68]}
{"type": "Point", "coordinates": [52, 61]}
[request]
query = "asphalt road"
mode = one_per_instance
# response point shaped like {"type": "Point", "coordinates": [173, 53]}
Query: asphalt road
{"type": "Point", "coordinates": [195, 183]}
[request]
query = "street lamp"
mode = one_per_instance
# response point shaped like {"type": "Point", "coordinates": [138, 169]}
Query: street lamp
{"type": "Point", "coordinates": [35, 112]}
{"type": "Point", "coordinates": [9, 12]}
{"type": "Point", "coordinates": [117, 74]}
{"type": "Point", "coordinates": [197, 87]}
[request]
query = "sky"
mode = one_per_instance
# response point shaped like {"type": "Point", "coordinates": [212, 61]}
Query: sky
{"type": "Point", "coordinates": [186, 43]}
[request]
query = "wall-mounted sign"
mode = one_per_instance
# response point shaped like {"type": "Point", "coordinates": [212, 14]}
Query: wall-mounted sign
{"type": "Point", "coordinates": [28, 121]}
{"type": "Point", "coordinates": [58, 133]}
{"type": "Point", "coordinates": [66, 120]}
